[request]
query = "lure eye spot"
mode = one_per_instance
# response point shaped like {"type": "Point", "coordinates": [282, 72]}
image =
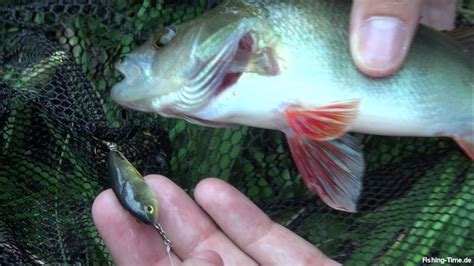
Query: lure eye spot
{"type": "Point", "coordinates": [163, 37]}
{"type": "Point", "coordinates": [149, 209]}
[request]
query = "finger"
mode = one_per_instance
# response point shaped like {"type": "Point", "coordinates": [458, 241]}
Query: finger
{"type": "Point", "coordinates": [205, 258]}
{"type": "Point", "coordinates": [381, 32]}
{"type": "Point", "coordinates": [439, 14]}
{"type": "Point", "coordinates": [189, 228]}
{"type": "Point", "coordinates": [128, 241]}
{"type": "Point", "coordinates": [254, 232]}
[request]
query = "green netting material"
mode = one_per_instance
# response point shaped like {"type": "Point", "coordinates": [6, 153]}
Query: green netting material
{"type": "Point", "coordinates": [56, 69]}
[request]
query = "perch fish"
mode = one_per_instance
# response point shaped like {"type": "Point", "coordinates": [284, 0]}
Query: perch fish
{"type": "Point", "coordinates": [285, 65]}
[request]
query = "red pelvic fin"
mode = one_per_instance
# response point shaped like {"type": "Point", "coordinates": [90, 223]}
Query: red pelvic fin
{"type": "Point", "coordinates": [323, 123]}
{"type": "Point", "coordinates": [467, 145]}
{"type": "Point", "coordinates": [333, 169]}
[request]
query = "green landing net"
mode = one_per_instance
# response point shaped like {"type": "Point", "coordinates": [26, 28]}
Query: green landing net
{"type": "Point", "coordinates": [56, 70]}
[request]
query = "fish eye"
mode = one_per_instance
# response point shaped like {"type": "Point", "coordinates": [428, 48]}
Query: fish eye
{"type": "Point", "coordinates": [149, 209]}
{"type": "Point", "coordinates": [163, 37]}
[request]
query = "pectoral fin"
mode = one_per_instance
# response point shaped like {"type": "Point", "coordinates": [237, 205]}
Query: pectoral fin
{"type": "Point", "coordinates": [333, 169]}
{"type": "Point", "coordinates": [323, 123]}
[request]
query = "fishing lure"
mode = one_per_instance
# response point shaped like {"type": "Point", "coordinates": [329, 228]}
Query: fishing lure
{"type": "Point", "coordinates": [135, 195]}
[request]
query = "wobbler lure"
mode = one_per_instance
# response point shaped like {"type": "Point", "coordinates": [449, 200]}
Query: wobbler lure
{"type": "Point", "coordinates": [135, 195]}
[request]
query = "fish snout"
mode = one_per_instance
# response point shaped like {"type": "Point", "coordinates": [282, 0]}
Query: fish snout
{"type": "Point", "coordinates": [141, 90]}
{"type": "Point", "coordinates": [135, 91]}
{"type": "Point", "coordinates": [133, 68]}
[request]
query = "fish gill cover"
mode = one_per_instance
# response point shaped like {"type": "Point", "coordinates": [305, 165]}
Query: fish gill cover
{"type": "Point", "coordinates": [56, 69]}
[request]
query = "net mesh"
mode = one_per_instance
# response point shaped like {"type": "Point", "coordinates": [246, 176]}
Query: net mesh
{"type": "Point", "coordinates": [56, 69]}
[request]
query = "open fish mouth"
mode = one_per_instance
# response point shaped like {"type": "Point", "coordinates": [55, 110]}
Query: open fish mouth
{"type": "Point", "coordinates": [133, 68]}
{"type": "Point", "coordinates": [133, 91]}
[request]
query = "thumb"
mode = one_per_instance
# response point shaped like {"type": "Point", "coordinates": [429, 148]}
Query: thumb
{"type": "Point", "coordinates": [205, 258]}
{"type": "Point", "coordinates": [381, 32]}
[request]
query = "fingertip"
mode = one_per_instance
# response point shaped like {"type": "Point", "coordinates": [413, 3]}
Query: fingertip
{"type": "Point", "coordinates": [381, 33]}
{"type": "Point", "coordinates": [98, 202]}
{"type": "Point", "coordinates": [377, 72]}
{"type": "Point", "coordinates": [162, 185]}
{"type": "Point", "coordinates": [156, 179]}
{"type": "Point", "coordinates": [166, 190]}
{"type": "Point", "coordinates": [101, 205]}
{"type": "Point", "coordinates": [439, 14]}
{"type": "Point", "coordinates": [209, 187]}
{"type": "Point", "coordinates": [207, 183]}
{"type": "Point", "coordinates": [380, 45]}
{"type": "Point", "coordinates": [210, 180]}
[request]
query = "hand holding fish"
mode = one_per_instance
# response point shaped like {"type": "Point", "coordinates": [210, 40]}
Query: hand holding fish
{"type": "Point", "coordinates": [221, 219]}
{"type": "Point", "coordinates": [381, 31]}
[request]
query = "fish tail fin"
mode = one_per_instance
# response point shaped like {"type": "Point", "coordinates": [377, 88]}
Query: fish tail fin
{"type": "Point", "coordinates": [330, 162]}
{"type": "Point", "coordinates": [333, 169]}
{"type": "Point", "coordinates": [467, 144]}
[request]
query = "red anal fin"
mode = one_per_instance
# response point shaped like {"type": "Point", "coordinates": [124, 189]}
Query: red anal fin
{"type": "Point", "coordinates": [323, 123]}
{"type": "Point", "coordinates": [333, 169]}
{"type": "Point", "coordinates": [467, 146]}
